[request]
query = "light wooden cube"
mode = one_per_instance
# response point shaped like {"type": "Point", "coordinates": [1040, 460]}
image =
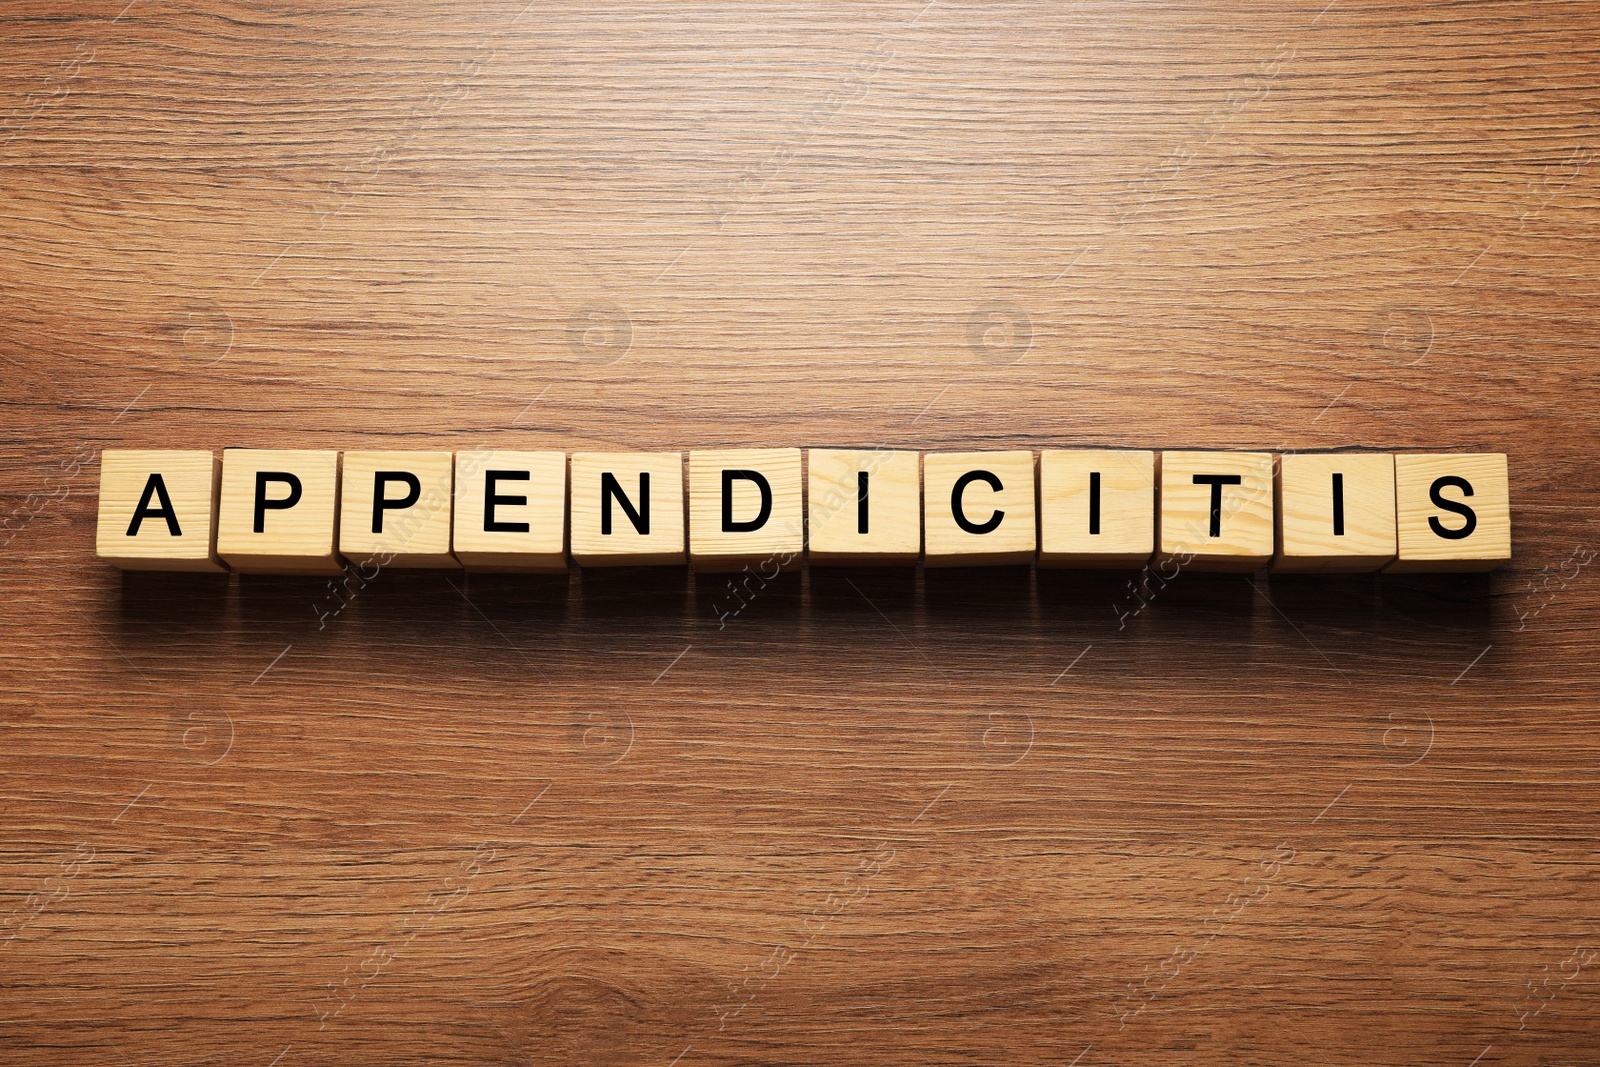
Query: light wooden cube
{"type": "Point", "coordinates": [394, 509]}
{"type": "Point", "coordinates": [865, 506]}
{"type": "Point", "coordinates": [158, 510]}
{"type": "Point", "coordinates": [978, 509]}
{"type": "Point", "coordinates": [1222, 522]}
{"type": "Point", "coordinates": [1096, 508]}
{"type": "Point", "coordinates": [1335, 513]}
{"type": "Point", "coordinates": [1454, 512]}
{"type": "Point", "coordinates": [511, 511]}
{"type": "Point", "coordinates": [278, 511]}
{"type": "Point", "coordinates": [745, 509]}
{"type": "Point", "coordinates": [627, 509]}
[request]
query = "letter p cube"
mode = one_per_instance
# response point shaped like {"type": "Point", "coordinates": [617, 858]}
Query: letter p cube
{"type": "Point", "coordinates": [278, 511]}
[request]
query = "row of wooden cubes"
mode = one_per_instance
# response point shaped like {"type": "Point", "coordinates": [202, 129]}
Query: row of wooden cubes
{"type": "Point", "coordinates": [299, 512]}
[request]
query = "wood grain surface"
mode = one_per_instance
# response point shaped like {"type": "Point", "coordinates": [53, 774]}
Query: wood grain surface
{"type": "Point", "coordinates": [643, 817]}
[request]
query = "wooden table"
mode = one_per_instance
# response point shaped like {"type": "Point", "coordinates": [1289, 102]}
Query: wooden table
{"type": "Point", "coordinates": [962, 817]}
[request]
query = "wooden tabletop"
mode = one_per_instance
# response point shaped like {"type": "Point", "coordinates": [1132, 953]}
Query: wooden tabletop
{"type": "Point", "coordinates": [635, 817]}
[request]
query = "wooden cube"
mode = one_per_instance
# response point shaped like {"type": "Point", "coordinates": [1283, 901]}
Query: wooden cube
{"type": "Point", "coordinates": [865, 507]}
{"type": "Point", "coordinates": [1335, 513]}
{"type": "Point", "coordinates": [1096, 508]}
{"type": "Point", "coordinates": [158, 510]}
{"type": "Point", "coordinates": [1453, 512]}
{"type": "Point", "coordinates": [978, 509]}
{"type": "Point", "coordinates": [627, 509]}
{"type": "Point", "coordinates": [745, 509]}
{"type": "Point", "coordinates": [394, 509]}
{"type": "Point", "coordinates": [278, 511]}
{"type": "Point", "coordinates": [1216, 510]}
{"type": "Point", "coordinates": [511, 511]}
